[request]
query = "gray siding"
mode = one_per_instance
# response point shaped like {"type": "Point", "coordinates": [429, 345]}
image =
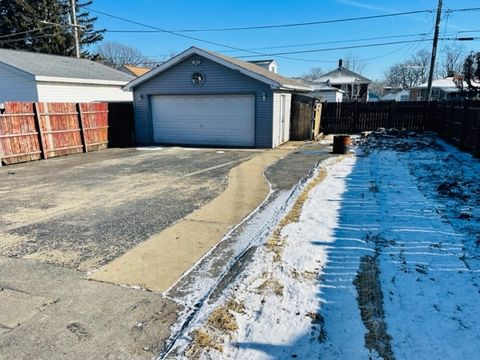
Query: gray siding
{"type": "Point", "coordinates": [16, 86]}
{"type": "Point", "coordinates": [218, 80]}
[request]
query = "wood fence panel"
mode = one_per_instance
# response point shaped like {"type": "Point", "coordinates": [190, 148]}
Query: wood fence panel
{"type": "Point", "coordinates": [121, 124]}
{"type": "Point", "coordinates": [94, 118]}
{"type": "Point", "coordinates": [18, 134]}
{"type": "Point", "coordinates": [60, 129]}
{"type": "Point", "coordinates": [302, 114]}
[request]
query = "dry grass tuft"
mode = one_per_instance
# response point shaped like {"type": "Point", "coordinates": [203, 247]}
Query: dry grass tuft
{"type": "Point", "coordinates": [201, 342]}
{"type": "Point", "coordinates": [222, 319]}
{"type": "Point", "coordinates": [238, 307]}
{"type": "Point", "coordinates": [271, 286]}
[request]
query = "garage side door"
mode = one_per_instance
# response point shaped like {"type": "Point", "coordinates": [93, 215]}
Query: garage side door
{"type": "Point", "coordinates": [222, 120]}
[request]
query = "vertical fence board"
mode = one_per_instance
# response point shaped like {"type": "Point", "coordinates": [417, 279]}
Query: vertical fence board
{"type": "Point", "coordinates": [30, 131]}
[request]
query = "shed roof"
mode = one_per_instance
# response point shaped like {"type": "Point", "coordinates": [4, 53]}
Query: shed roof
{"type": "Point", "coordinates": [135, 70]}
{"type": "Point", "coordinates": [247, 68]}
{"type": "Point", "coordinates": [448, 84]}
{"type": "Point", "coordinates": [54, 67]}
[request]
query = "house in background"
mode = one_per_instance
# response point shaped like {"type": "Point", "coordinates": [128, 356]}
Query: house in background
{"type": "Point", "coordinates": [354, 85]}
{"type": "Point", "coordinates": [204, 98]}
{"type": "Point", "coordinates": [270, 65]}
{"type": "Point", "coordinates": [372, 97]}
{"type": "Point", "coordinates": [402, 95]}
{"type": "Point", "coordinates": [322, 91]}
{"type": "Point", "coordinates": [442, 89]}
{"type": "Point", "coordinates": [27, 76]}
{"type": "Point", "coordinates": [134, 70]}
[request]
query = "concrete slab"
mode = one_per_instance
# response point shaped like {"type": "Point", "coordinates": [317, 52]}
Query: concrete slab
{"type": "Point", "coordinates": [160, 261]}
{"type": "Point", "coordinates": [83, 211]}
{"type": "Point", "coordinates": [86, 320]}
{"type": "Point", "coordinates": [18, 306]}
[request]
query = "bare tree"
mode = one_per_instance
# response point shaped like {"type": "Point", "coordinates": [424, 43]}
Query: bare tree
{"type": "Point", "coordinates": [413, 71]}
{"type": "Point", "coordinates": [116, 54]}
{"type": "Point", "coordinates": [469, 81]}
{"type": "Point", "coordinates": [452, 60]}
{"type": "Point", "coordinates": [353, 63]}
{"type": "Point", "coordinates": [313, 73]}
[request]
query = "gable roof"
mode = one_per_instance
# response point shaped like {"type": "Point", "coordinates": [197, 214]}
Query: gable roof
{"type": "Point", "coordinates": [342, 75]}
{"type": "Point", "coordinates": [45, 67]}
{"type": "Point", "coordinates": [259, 73]}
{"type": "Point", "coordinates": [318, 86]}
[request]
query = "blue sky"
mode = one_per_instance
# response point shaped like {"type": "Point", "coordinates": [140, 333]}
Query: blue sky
{"type": "Point", "coordinates": [202, 14]}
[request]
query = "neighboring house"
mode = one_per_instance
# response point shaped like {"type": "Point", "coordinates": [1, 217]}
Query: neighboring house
{"type": "Point", "coordinates": [270, 65]}
{"type": "Point", "coordinates": [372, 97]}
{"type": "Point", "coordinates": [27, 76]}
{"type": "Point", "coordinates": [442, 89]}
{"type": "Point", "coordinates": [134, 70]}
{"type": "Point", "coordinates": [323, 91]}
{"type": "Point", "coordinates": [354, 85]}
{"type": "Point", "coordinates": [403, 95]}
{"type": "Point", "coordinates": [203, 98]}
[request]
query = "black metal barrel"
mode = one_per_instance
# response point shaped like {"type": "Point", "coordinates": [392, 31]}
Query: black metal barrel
{"type": "Point", "coordinates": [341, 144]}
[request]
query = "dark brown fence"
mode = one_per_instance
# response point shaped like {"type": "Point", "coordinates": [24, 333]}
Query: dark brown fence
{"type": "Point", "coordinates": [456, 122]}
{"type": "Point", "coordinates": [358, 117]}
{"type": "Point", "coordinates": [121, 125]}
{"type": "Point", "coordinates": [304, 117]}
{"type": "Point", "coordinates": [32, 131]}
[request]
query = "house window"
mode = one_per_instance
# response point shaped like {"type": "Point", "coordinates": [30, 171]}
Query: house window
{"type": "Point", "coordinates": [198, 79]}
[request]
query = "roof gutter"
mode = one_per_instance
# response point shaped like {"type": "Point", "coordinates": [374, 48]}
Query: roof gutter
{"type": "Point", "coordinates": [57, 79]}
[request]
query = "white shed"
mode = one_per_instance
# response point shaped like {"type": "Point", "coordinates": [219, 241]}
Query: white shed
{"type": "Point", "coordinates": [27, 76]}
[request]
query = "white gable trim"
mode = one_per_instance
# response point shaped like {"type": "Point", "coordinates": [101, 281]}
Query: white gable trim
{"type": "Point", "coordinates": [196, 51]}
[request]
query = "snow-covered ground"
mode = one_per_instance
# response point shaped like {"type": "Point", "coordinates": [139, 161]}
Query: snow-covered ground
{"type": "Point", "coordinates": [382, 262]}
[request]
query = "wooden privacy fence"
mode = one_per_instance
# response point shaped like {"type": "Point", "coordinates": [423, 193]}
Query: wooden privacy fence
{"type": "Point", "coordinates": [32, 131]}
{"type": "Point", "coordinates": [367, 116]}
{"type": "Point", "coordinates": [456, 122]}
{"type": "Point", "coordinates": [304, 117]}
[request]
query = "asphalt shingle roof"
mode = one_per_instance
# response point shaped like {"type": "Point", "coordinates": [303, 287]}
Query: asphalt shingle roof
{"type": "Point", "coordinates": [259, 70]}
{"type": "Point", "coordinates": [38, 64]}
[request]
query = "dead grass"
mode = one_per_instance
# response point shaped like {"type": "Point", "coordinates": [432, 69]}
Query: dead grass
{"type": "Point", "coordinates": [271, 286]}
{"type": "Point", "coordinates": [222, 319]}
{"type": "Point", "coordinates": [202, 341]}
{"type": "Point", "coordinates": [370, 302]}
{"type": "Point", "coordinates": [276, 243]}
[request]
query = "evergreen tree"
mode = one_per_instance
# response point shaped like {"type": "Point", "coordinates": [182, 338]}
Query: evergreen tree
{"type": "Point", "coordinates": [44, 26]}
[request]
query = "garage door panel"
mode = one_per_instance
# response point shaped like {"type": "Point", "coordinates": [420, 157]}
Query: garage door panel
{"type": "Point", "coordinates": [204, 119]}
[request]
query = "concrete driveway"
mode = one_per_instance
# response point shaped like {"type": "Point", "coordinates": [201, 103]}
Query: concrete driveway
{"type": "Point", "coordinates": [63, 218]}
{"type": "Point", "coordinates": [81, 212]}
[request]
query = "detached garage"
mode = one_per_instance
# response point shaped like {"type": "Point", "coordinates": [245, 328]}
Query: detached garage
{"type": "Point", "coordinates": [204, 98]}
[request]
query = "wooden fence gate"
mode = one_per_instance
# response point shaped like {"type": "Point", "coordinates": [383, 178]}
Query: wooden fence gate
{"type": "Point", "coordinates": [33, 131]}
{"type": "Point", "coordinates": [304, 117]}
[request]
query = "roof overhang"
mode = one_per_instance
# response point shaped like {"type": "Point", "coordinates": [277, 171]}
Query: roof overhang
{"type": "Point", "coordinates": [57, 79]}
{"type": "Point", "coordinates": [196, 51]}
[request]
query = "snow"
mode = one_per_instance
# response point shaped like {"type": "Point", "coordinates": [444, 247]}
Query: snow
{"type": "Point", "coordinates": [386, 206]}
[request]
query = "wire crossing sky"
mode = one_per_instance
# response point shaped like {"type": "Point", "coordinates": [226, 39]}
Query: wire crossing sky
{"type": "Point", "coordinates": [299, 34]}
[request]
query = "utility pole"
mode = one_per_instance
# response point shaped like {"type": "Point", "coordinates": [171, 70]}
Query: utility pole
{"type": "Point", "coordinates": [434, 50]}
{"type": "Point", "coordinates": [75, 27]}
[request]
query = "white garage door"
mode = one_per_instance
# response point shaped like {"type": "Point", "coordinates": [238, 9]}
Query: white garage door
{"type": "Point", "coordinates": [225, 120]}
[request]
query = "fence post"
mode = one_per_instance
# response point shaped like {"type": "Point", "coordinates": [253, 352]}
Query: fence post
{"type": "Point", "coordinates": [82, 128]}
{"type": "Point", "coordinates": [391, 114]}
{"type": "Point", "coordinates": [38, 128]}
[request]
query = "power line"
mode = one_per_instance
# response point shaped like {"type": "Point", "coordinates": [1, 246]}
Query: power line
{"type": "Point", "coordinates": [24, 32]}
{"type": "Point", "coordinates": [370, 17]}
{"type": "Point", "coordinates": [354, 47]}
{"type": "Point", "coordinates": [299, 24]}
